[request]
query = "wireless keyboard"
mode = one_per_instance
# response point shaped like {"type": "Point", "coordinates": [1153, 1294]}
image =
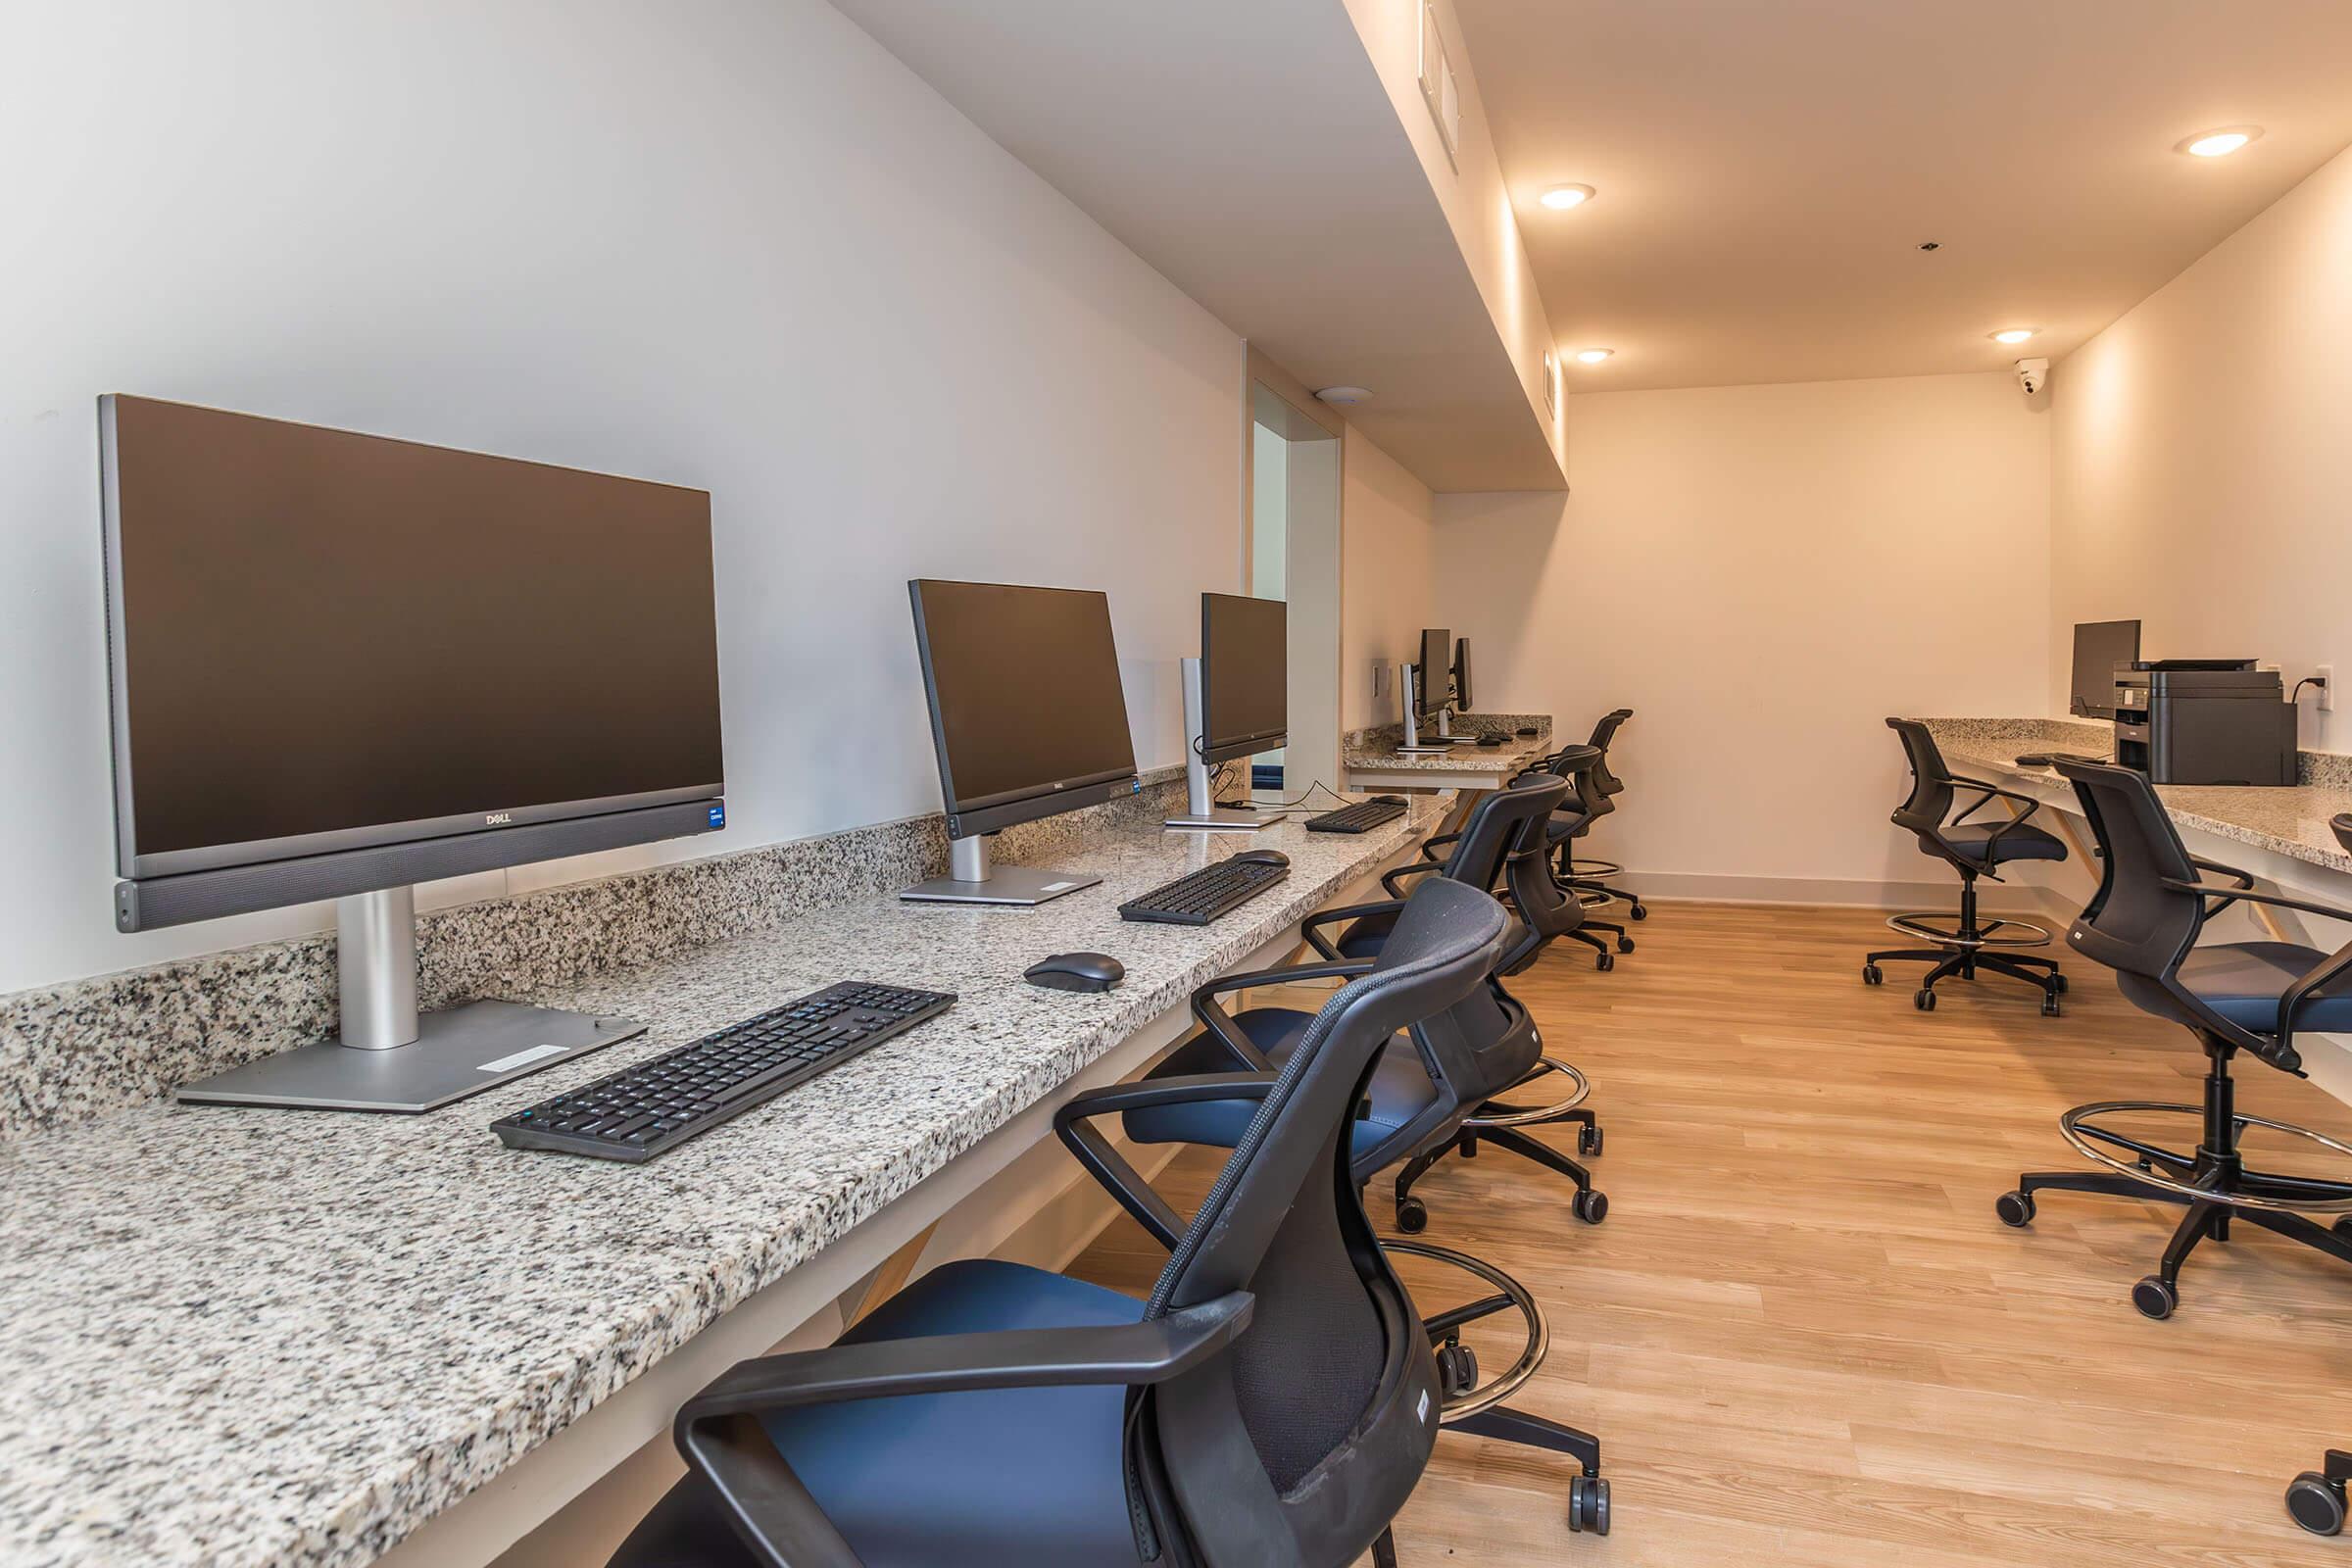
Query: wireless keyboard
{"type": "Point", "coordinates": [657, 1105]}
{"type": "Point", "coordinates": [1205, 895]}
{"type": "Point", "coordinates": [1361, 817]}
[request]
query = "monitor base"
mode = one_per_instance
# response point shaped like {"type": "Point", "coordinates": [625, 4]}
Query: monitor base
{"type": "Point", "coordinates": [1224, 819]}
{"type": "Point", "coordinates": [1015, 885]}
{"type": "Point", "coordinates": [459, 1052]}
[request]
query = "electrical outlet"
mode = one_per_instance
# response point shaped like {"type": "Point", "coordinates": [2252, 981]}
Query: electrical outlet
{"type": "Point", "coordinates": [2327, 672]}
{"type": "Point", "coordinates": [1380, 679]}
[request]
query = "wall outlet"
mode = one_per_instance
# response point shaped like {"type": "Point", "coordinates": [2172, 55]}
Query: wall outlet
{"type": "Point", "coordinates": [2327, 672]}
{"type": "Point", "coordinates": [1380, 679]}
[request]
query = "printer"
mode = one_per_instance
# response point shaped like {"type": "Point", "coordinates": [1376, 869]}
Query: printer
{"type": "Point", "coordinates": [2204, 722]}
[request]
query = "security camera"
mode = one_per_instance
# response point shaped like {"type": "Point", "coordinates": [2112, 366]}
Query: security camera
{"type": "Point", "coordinates": [2031, 374]}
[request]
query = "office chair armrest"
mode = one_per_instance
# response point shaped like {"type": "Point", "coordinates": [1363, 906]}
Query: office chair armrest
{"type": "Point", "coordinates": [2225, 896]}
{"type": "Point", "coordinates": [1312, 926]}
{"type": "Point", "coordinates": [2245, 879]}
{"type": "Point", "coordinates": [2291, 1001]}
{"type": "Point", "coordinates": [719, 1435]}
{"type": "Point", "coordinates": [1073, 1125]}
{"type": "Point", "coordinates": [1391, 877]}
{"type": "Point", "coordinates": [1215, 1019]}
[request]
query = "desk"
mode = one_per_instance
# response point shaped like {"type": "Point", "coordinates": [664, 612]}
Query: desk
{"type": "Point", "coordinates": [250, 1336]}
{"type": "Point", "coordinates": [1372, 762]}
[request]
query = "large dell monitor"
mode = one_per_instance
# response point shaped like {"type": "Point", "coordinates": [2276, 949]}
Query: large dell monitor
{"type": "Point", "coordinates": [1236, 702]}
{"type": "Point", "coordinates": [1028, 717]}
{"type": "Point", "coordinates": [342, 664]}
{"type": "Point", "coordinates": [2100, 647]}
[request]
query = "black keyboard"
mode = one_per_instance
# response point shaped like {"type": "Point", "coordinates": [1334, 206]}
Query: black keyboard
{"type": "Point", "coordinates": [1205, 895]}
{"type": "Point", "coordinates": [2045, 759]}
{"type": "Point", "coordinates": [657, 1105]}
{"type": "Point", "coordinates": [1361, 817]}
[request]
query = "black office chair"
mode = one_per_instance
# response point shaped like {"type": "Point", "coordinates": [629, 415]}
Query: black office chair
{"type": "Point", "coordinates": [1593, 877]}
{"type": "Point", "coordinates": [1974, 850]}
{"type": "Point", "coordinates": [2255, 997]}
{"type": "Point", "coordinates": [1274, 1401]}
{"type": "Point", "coordinates": [1435, 1090]}
{"type": "Point", "coordinates": [1582, 766]}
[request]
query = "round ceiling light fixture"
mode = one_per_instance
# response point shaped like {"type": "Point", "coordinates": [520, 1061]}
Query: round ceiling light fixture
{"type": "Point", "coordinates": [1343, 396]}
{"type": "Point", "coordinates": [2011, 334]}
{"type": "Point", "coordinates": [1593, 356]}
{"type": "Point", "coordinates": [1560, 198]}
{"type": "Point", "coordinates": [2218, 143]}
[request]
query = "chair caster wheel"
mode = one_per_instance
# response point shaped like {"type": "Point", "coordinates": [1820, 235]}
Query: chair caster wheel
{"type": "Point", "coordinates": [1607, 960]}
{"type": "Point", "coordinates": [1591, 1207]}
{"type": "Point", "coordinates": [2154, 1297]}
{"type": "Point", "coordinates": [1589, 1505]}
{"type": "Point", "coordinates": [1412, 1216]}
{"type": "Point", "coordinates": [2062, 986]}
{"type": "Point", "coordinates": [1457, 1369]}
{"type": "Point", "coordinates": [1925, 1001]}
{"type": "Point", "coordinates": [1638, 911]}
{"type": "Point", "coordinates": [1587, 1142]}
{"type": "Point", "coordinates": [2313, 1501]}
{"type": "Point", "coordinates": [2015, 1208]}
{"type": "Point", "coordinates": [1872, 975]}
{"type": "Point", "coordinates": [2049, 1006]}
{"type": "Point", "coordinates": [1624, 944]}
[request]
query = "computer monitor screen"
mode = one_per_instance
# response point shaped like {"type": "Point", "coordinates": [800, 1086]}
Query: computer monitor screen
{"type": "Point", "coordinates": [1437, 655]}
{"type": "Point", "coordinates": [1027, 710]}
{"type": "Point", "coordinates": [2100, 646]}
{"type": "Point", "coordinates": [322, 641]}
{"type": "Point", "coordinates": [1245, 675]}
{"type": "Point", "coordinates": [1461, 673]}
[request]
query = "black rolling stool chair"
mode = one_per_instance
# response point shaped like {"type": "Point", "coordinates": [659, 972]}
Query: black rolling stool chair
{"type": "Point", "coordinates": [1423, 1097]}
{"type": "Point", "coordinates": [1581, 767]}
{"type": "Point", "coordinates": [1974, 850]}
{"type": "Point", "coordinates": [1598, 876]}
{"type": "Point", "coordinates": [1574, 763]}
{"type": "Point", "coordinates": [2143, 923]}
{"type": "Point", "coordinates": [1274, 1401]}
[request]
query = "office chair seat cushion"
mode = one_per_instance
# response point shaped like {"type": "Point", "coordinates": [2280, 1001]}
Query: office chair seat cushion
{"type": "Point", "coordinates": [2024, 842]}
{"type": "Point", "coordinates": [1014, 1478]}
{"type": "Point", "coordinates": [1565, 825]}
{"type": "Point", "coordinates": [2242, 981]}
{"type": "Point", "coordinates": [1402, 1089]}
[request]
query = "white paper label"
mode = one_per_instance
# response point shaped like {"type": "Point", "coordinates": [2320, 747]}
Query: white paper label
{"type": "Point", "coordinates": [520, 1059]}
{"type": "Point", "coordinates": [1057, 887]}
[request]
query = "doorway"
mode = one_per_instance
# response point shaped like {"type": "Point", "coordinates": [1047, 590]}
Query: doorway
{"type": "Point", "coordinates": [1292, 544]}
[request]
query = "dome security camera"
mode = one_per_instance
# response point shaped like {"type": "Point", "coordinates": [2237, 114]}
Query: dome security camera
{"type": "Point", "coordinates": [2031, 374]}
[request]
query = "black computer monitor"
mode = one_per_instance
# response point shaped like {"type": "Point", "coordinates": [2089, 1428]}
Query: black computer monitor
{"type": "Point", "coordinates": [1461, 674]}
{"type": "Point", "coordinates": [1028, 717]}
{"type": "Point", "coordinates": [1437, 654]}
{"type": "Point", "coordinates": [342, 664]}
{"type": "Point", "coordinates": [1245, 675]}
{"type": "Point", "coordinates": [2100, 646]}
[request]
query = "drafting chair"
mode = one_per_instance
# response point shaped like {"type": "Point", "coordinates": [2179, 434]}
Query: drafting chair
{"type": "Point", "coordinates": [1422, 1100]}
{"type": "Point", "coordinates": [1581, 767]}
{"type": "Point", "coordinates": [1974, 850]}
{"type": "Point", "coordinates": [1276, 1398]}
{"type": "Point", "coordinates": [1575, 763]}
{"type": "Point", "coordinates": [1595, 876]}
{"type": "Point", "coordinates": [2255, 997]}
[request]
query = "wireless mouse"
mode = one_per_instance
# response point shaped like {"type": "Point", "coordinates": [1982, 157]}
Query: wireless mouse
{"type": "Point", "coordinates": [1076, 971]}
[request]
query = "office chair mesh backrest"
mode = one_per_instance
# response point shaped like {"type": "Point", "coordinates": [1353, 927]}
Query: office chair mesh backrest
{"type": "Point", "coordinates": [1327, 1379]}
{"type": "Point", "coordinates": [1546, 911]}
{"type": "Point", "coordinates": [1604, 732]}
{"type": "Point", "coordinates": [1930, 802]}
{"type": "Point", "coordinates": [2135, 924]}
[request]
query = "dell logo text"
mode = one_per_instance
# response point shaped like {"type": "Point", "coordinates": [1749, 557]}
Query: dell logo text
{"type": "Point", "coordinates": [498, 818]}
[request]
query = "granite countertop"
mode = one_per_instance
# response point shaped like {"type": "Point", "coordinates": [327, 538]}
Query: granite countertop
{"type": "Point", "coordinates": [256, 1336]}
{"type": "Point", "coordinates": [2292, 820]}
{"type": "Point", "coordinates": [1376, 749]}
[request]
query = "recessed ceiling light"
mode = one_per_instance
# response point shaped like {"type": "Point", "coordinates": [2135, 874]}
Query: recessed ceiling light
{"type": "Point", "coordinates": [2220, 143]}
{"type": "Point", "coordinates": [1345, 395]}
{"type": "Point", "coordinates": [1593, 356]}
{"type": "Point", "coordinates": [1560, 198]}
{"type": "Point", "coordinates": [2012, 334]}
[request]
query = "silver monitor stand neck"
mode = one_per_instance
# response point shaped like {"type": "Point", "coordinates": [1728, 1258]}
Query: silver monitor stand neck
{"type": "Point", "coordinates": [391, 1058]}
{"type": "Point", "coordinates": [1409, 683]}
{"type": "Point", "coordinates": [1202, 813]}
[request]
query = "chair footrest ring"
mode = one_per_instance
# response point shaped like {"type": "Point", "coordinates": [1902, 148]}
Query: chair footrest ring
{"type": "Point", "coordinates": [1539, 1331]}
{"type": "Point", "coordinates": [1498, 1113]}
{"type": "Point", "coordinates": [1578, 866]}
{"type": "Point", "coordinates": [1997, 933]}
{"type": "Point", "coordinates": [2087, 1141]}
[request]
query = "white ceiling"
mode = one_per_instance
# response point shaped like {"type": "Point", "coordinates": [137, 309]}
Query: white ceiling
{"type": "Point", "coordinates": [1766, 168]}
{"type": "Point", "coordinates": [1247, 150]}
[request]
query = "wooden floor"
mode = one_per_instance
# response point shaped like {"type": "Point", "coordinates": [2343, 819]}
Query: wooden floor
{"type": "Point", "coordinates": [1802, 1335]}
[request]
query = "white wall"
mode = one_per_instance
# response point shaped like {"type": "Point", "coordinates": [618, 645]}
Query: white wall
{"type": "Point", "coordinates": [1763, 574]}
{"type": "Point", "coordinates": [1388, 570]}
{"type": "Point", "coordinates": [726, 243]}
{"type": "Point", "coordinates": [2202, 457]}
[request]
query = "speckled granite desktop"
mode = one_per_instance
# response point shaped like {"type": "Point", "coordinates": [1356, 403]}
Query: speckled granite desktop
{"type": "Point", "coordinates": [1376, 747]}
{"type": "Point", "coordinates": [2294, 822]}
{"type": "Point", "coordinates": [71, 1051]}
{"type": "Point", "coordinates": [264, 1338]}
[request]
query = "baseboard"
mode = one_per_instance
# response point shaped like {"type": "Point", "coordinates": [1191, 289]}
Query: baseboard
{"type": "Point", "coordinates": [2012, 898]}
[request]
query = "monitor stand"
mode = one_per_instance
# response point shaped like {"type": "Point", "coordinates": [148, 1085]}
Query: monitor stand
{"type": "Point", "coordinates": [390, 1057]}
{"type": "Point", "coordinates": [970, 879]}
{"type": "Point", "coordinates": [1203, 815]}
{"type": "Point", "coordinates": [1416, 744]}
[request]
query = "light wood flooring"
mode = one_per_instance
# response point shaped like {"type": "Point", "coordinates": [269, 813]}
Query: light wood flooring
{"type": "Point", "coordinates": [1802, 1335]}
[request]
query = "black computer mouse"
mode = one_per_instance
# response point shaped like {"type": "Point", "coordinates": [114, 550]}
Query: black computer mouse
{"type": "Point", "coordinates": [1387, 800]}
{"type": "Point", "coordinates": [1076, 971]}
{"type": "Point", "coordinates": [1263, 857]}
{"type": "Point", "coordinates": [1489, 740]}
